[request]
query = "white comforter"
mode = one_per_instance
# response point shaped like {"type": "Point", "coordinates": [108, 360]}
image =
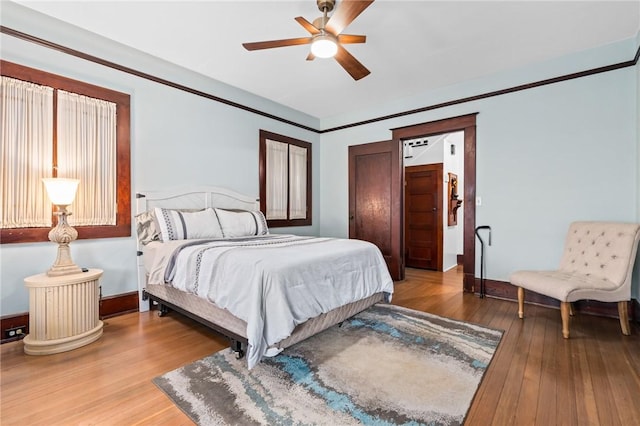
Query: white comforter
{"type": "Point", "coordinates": [274, 282]}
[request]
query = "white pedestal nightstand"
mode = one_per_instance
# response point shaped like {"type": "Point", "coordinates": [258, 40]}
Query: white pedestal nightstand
{"type": "Point", "coordinates": [63, 312]}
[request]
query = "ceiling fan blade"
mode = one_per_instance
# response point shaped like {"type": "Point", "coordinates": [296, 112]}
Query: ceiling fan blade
{"type": "Point", "coordinates": [350, 39]}
{"type": "Point", "coordinates": [307, 25]}
{"type": "Point", "coordinates": [345, 13]}
{"type": "Point", "coordinates": [351, 64]}
{"type": "Point", "coordinates": [277, 43]}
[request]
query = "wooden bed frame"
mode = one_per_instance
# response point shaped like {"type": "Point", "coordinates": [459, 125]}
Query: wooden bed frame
{"type": "Point", "coordinates": [222, 321]}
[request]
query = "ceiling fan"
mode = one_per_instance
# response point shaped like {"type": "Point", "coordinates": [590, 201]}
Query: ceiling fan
{"type": "Point", "coordinates": [326, 39]}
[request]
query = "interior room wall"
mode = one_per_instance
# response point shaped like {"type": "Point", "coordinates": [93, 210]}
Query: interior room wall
{"type": "Point", "coordinates": [432, 153]}
{"type": "Point", "coordinates": [177, 138]}
{"type": "Point", "coordinates": [545, 156]}
{"type": "Point", "coordinates": [454, 235]}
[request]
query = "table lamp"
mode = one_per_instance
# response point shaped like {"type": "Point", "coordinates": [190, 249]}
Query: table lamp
{"type": "Point", "coordinates": [62, 191]}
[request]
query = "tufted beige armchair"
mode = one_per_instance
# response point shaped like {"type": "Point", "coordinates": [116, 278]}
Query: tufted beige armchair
{"type": "Point", "coordinates": [596, 264]}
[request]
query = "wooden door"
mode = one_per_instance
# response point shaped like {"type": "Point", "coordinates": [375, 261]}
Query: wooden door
{"type": "Point", "coordinates": [375, 199]}
{"type": "Point", "coordinates": [423, 216]}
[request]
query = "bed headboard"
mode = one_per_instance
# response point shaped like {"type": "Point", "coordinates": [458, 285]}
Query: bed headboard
{"type": "Point", "coordinates": [199, 197]}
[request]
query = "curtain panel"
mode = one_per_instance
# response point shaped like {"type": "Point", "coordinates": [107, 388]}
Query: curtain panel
{"type": "Point", "coordinates": [297, 182]}
{"type": "Point", "coordinates": [26, 153]}
{"type": "Point", "coordinates": [87, 151]}
{"type": "Point", "coordinates": [277, 179]}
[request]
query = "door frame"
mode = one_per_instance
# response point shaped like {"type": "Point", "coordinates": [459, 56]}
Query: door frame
{"type": "Point", "coordinates": [466, 123]}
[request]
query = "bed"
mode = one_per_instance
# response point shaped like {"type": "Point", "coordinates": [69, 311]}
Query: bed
{"type": "Point", "coordinates": [206, 252]}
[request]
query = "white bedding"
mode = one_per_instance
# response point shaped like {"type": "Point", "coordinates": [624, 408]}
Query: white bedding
{"type": "Point", "coordinates": [273, 282]}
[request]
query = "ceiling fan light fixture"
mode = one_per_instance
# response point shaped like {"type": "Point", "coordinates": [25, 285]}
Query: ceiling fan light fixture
{"type": "Point", "coordinates": [324, 46]}
{"type": "Point", "coordinates": [326, 39]}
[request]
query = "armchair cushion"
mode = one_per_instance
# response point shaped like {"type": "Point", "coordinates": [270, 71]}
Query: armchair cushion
{"type": "Point", "coordinates": [565, 286]}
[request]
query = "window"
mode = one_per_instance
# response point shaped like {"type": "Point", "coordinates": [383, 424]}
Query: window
{"type": "Point", "coordinates": [55, 126]}
{"type": "Point", "coordinates": [285, 180]}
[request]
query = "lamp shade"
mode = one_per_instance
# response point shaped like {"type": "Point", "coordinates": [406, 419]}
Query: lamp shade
{"type": "Point", "coordinates": [324, 46]}
{"type": "Point", "coordinates": [61, 191]}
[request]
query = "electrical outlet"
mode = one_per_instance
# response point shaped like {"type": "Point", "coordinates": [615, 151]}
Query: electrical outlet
{"type": "Point", "coordinates": [10, 333]}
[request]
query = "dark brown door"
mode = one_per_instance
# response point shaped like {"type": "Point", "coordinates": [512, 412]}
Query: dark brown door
{"type": "Point", "coordinates": [375, 199]}
{"type": "Point", "coordinates": [423, 216]}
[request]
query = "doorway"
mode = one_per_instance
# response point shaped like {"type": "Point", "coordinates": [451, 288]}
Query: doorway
{"type": "Point", "coordinates": [434, 219]}
{"type": "Point", "coordinates": [467, 125]}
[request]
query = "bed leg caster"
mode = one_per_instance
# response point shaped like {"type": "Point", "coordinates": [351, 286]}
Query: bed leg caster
{"type": "Point", "coordinates": [236, 346]}
{"type": "Point", "coordinates": [163, 310]}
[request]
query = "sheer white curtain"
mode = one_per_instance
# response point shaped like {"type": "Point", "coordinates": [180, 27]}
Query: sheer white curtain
{"type": "Point", "coordinates": [297, 182]}
{"type": "Point", "coordinates": [87, 151]}
{"type": "Point", "coordinates": [26, 153]}
{"type": "Point", "coordinates": [277, 179]}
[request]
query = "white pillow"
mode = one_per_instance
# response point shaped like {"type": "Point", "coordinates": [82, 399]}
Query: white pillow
{"type": "Point", "coordinates": [242, 224]}
{"type": "Point", "coordinates": [147, 227]}
{"type": "Point", "coordinates": [180, 225]}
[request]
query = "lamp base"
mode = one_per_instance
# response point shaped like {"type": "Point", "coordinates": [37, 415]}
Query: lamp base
{"type": "Point", "coordinates": [59, 270]}
{"type": "Point", "coordinates": [63, 264]}
{"type": "Point", "coordinates": [63, 234]}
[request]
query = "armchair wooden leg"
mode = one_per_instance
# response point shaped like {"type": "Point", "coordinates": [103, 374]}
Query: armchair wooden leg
{"type": "Point", "coordinates": [565, 308]}
{"type": "Point", "coordinates": [520, 302]}
{"type": "Point", "coordinates": [623, 313]}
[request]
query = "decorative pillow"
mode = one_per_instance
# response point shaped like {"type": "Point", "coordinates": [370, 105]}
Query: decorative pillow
{"type": "Point", "coordinates": [147, 227]}
{"type": "Point", "coordinates": [182, 225]}
{"type": "Point", "coordinates": [242, 224]}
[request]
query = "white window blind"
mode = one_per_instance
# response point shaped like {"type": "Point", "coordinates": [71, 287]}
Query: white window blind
{"type": "Point", "coordinates": [26, 153]}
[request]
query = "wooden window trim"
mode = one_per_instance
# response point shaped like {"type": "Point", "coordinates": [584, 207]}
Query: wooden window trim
{"type": "Point", "coordinates": [280, 223]}
{"type": "Point", "coordinates": [122, 228]}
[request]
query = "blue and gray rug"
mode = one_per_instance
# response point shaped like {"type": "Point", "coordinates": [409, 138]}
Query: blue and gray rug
{"type": "Point", "coordinates": [386, 366]}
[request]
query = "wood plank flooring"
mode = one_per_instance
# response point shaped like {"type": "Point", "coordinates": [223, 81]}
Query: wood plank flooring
{"type": "Point", "coordinates": [535, 378]}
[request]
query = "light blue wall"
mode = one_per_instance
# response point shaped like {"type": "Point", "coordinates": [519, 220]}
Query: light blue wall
{"type": "Point", "coordinates": [545, 156]}
{"type": "Point", "coordinates": [176, 138]}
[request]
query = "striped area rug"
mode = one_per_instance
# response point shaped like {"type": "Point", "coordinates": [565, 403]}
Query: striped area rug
{"type": "Point", "coordinates": [387, 365]}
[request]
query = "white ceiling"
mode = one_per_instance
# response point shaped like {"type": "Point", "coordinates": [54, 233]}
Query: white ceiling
{"type": "Point", "coordinates": [412, 46]}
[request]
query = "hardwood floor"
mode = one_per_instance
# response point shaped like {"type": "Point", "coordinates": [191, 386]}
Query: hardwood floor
{"type": "Point", "coordinates": [535, 378]}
